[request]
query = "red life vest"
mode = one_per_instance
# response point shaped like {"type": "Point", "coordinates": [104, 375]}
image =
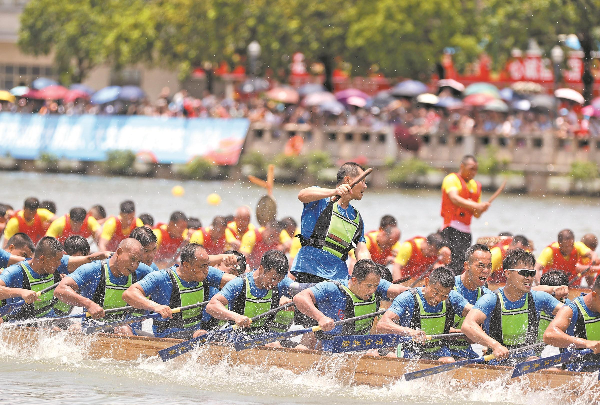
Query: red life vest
{"type": "Point", "coordinates": [118, 235]}
{"type": "Point", "coordinates": [169, 246]}
{"type": "Point", "coordinates": [498, 276]}
{"type": "Point", "coordinates": [418, 262]}
{"type": "Point", "coordinates": [35, 231]}
{"type": "Point", "coordinates": [451, 212]}
{"type": "Point", "coordinates": [559, 262]}
{"type": "Point", "coordinates": [68, 230]}
{"type": "Point", "coordinates": [377, 254]}
{"type": "Point", "coordinates": [232, 226]}
{"type": "Point", "coordinates": [260, 248]}
{"type": "Point", "coordinates": [213, 247]}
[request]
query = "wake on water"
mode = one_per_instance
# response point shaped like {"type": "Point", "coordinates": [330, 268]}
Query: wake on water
{"type": "Point", "coordinates": [67, 352]}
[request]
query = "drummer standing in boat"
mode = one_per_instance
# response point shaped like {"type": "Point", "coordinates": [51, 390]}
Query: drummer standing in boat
{"type": "Point", "coordinates": [461, 200]}
{"type": "Point", "coordinates": [331, 229]}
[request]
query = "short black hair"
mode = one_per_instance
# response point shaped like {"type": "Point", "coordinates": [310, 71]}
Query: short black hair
{"type": "Point", "coordinates": [3, 209]}
{"type": "Point", "coordinates": [387, 220]}
{"type": "Point", "coordinates": [77, 244]}
{"type": "Point", "coordinates": [20, 240]}
{"type": "Point", "coordinates": [554, 278]}
{"type": "Point", "coordinates": [565, 234]}
{"type": "Point", "coordinates": [31, 204]}
{"type": "Point", "coordinates": [478, 247]}
{"type": "Point", "coordinates": [467, 158]}
{"type": "Point", "coordinates": [77, 214]}
{"type": "Point", "coordinates": [194, 223]}
{"type": "Point", "coordinates": [49, 205]}
{"type": "Point", "coordinates": [188, 252]}
{"type": "Point", "coordinates": [241, 260]}
{"type": "Point", "coordinates": [363, 268]}
{"type": "Point", "coordinates": [100, 209]}
{"type": "Point", "coordinates": [147, 219]}
{"type": "Point", "coordinates": [516, 256]}
{"type": "Point", "coordinates": [289, 222]}
{"type": "Point", "coordinates": [275, 260]}
{"type": "Point", "coordinates": [178, 216]}
{"type": "Point", "coordinates": [443, 276]}
{"type": "Point", "coordinates": [144, 235]}
{"type": "Point", "coordinates": [350, 169]}
{"type": "Point", "coordinates": [522, 239]}
{"type": "Point", "coordinates": [436, 240]}
{"type": "Point", "coordinates": [505, 234]}
{"type": "Point", "coordinates": [276, 225]}
{"type": "Point", "coordinates": [48, 246]}
{"type": "Point", "coordinates": [127, 207]}
{"type": "Point", "coordinates": [229, 218]}
{"type": "Point", "coordinates": [386, 274]}
{"type": "Point", "coordinates": [219, 220]}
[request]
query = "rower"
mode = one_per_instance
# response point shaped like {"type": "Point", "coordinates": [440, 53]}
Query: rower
{"type": "Point", "coordinates": [116, 229]}
{"type": "Point", "coordinates": [178, 286]}
{"type": "Point", "coordinates": [564, 255]}
{"type": "Point", "coordinates": [31, 220]}
{"type": "Point", "coordinates": [423, 311]}
{"type": "Point", "coordinates": [288, 237]}
{"type": "Point", "coordinates": [511, 316]}
{"type": "Point", "coordinates": [331, 301]}
{"type": "Point", "coordinates": [258, 241]}
{"type": "Point", "coordinates": [577, 325]}
{"type": "Point", "coordinates": [212, 237]}
{"type": "Point", "coordinates": [383, 243]}
{"type": "Point", "coordinates": [555, 283]}
{"type": "Point", "coordinates": [584, 265]}
{"type": "Point", "coordinates": [147, 220]}
{"type": "Point", "coordinates": [98, 212]}
{"type": "Point", "coordinates": [417, 255]}
{"type": "Point", "coordinates": [99, 285]}
{"type": "Point", "coordinates": [170, 238]}
{"type": "Point", "coordinates": [238, 268]}
{"type": "Point", "coordinates": [26, 278]}
{"type": "Point", "coordinates": [76, 222]}
{"type": "Point", "coordinates": [255, 293]}
{"type": "Point", "coordinates": [238, 227]}
{"type": "Point", "coordinates": [499, 253]}
{"type": "Point", "coordinates": [18, 248]}
{"type": "Point", "coordinates": [147, 238]}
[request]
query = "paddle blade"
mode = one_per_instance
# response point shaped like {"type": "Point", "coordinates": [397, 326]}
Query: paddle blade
{"type": "Point", "coordinates": [243, 344]}
{"type": "Point", "coordinates": [440, 369]}
{"type": "Point", "coordinates": [546, 362]}
{"type": "Point", "coordinates": [354, 343]}
{"type": "Point", "coordinates": [183, 347]}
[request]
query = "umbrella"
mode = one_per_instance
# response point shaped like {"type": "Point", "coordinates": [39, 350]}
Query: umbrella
{"type": "Point", "coordinates": [131, 93]}
{"type": "Point", "coordinates": [496, 105]}
{"type": "Point", "coordinates": [82, 87]}
{"type": "Point", "coordinates": [284, 94]}
{"type": "Point", "coordinates": [543, 102]}
{"type": "Point", "coordinates": [453, 84]}
{"type": "Point", "coordinates": [106, 95]}
{"type": "Point", "coordinates": [254, 85]}
{"type": "Point", "coordinates": [318, 98]}
{"type": "Point", "coordinates": [31, 93]}
{"type": "Point", "coordinates": [478, 99]}
{"type": "Point", "coordinates": [73, 95]}
{"type": "Point", "coordinates": [590, 111]}
{"type": "Point", "coordinates": [381, 100]}
{"type": "Point", "coordinates": [507, 94]}
{"type": "Point", "coordinates": [482, 88]}
{"type": "Point", "coordinates": [333, 107]}
{"type": "Point", "coordinates": [449, 103]}
{"type": "Point", "coordinates": [53, 92]}
{"type": "Point", "coordinates": [344, 95]}
{"type": "Point", "coordinates": [6, 96]}
{"type": "Point", "coordinates": [356, 101]}
{"type": "Point", "coordinates": [409, 88]}
{"type": "Point", "coordinates": [310, 88]}
{"type": "Point", "coordinates": [405, 139]}
{"type": "Point", "coordinates": [19, 90]}
{"type": "Point", "coordinates": [427, 98]}
{"type": "Point", "coordinates": [569, 94]}
{"type": "Point", "coordinates": [42, 82]}
{"type": "Point", "coordinates": [521, 105]}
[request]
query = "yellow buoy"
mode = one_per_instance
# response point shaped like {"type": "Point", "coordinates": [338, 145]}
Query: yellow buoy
{"type": "Point", "coordinates": [177, 191]}
{"type": "Point", "coordinates": [213, 199]}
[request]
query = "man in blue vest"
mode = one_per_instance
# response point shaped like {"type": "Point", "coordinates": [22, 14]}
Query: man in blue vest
{"type": "Point", "coordinates": [24, 279]}
{"type": "Point", "coordinates": [423, 311]}
{"type": "Point", "coordinates": [175, 287]}
{"type": "Point", "coordinates": [332, 301]}
{"type": "Point", "coordinates": [509, 319]}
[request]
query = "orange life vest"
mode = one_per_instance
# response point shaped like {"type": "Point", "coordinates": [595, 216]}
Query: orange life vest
{"type": "Point", "coordinates": [232, 226]}
{"type": "Point", "coordinates": [377, 254]}
{"type": "Point", "coordinates": [260, 248]}
{"type": "Point", "coordinates": [169, 246]}
{"type": "Point", "coordinates": [451, 212]}
{"type": "Point", "coordinates": [118, 235]}
{"type": "Point", "coordinates": [68, 230]}
{"type": "Point", "coordinates": [35, 231]}
{"type": "Point", "coordinates": [213, 247]}
{"type": "Point", "coordinates": [559, 262]}
{"type": "Point", "coordinates": [418, 262]}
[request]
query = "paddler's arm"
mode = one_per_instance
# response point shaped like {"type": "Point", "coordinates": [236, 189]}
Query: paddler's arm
{"type": "Point", "coordinates": [67, 291]}
{"type": "Point", "coordinates": [28, 296]}
{"type": "Point", "coordinates": [217, 307]}
{"type": "Point", "coordinates": [229, 260]}
{"type": "Point", "coordinates": [136, 297]}
{"type": "Point", "coordinates": [15, 259]}
{"type": "Point", "coordinates": [557, 291]}
{"type": "Point", "coordinates": [556, 336]}
{"type": "Point", "coordinates": [361, 251]}
{"type": "Point", "coordinates": [477, 208]}
{"type": "Point", "coordinates": [471, 327]}
{"type": "Point", "coordinates": [311, 194]}
{"type": "Point", "coordinates": [76, 261]}
{"type": "Point", "coordinates": [305, 302]}
{"type": "Point", "coordinates": [389, 324]}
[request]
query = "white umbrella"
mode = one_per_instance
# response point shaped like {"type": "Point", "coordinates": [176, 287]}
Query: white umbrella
{"type": "Point", "coordinates": [452, 83]}
{"type": "Point", "coordinates": [569, 94]}
{"type": "Point", "coordinates": [427, 98]}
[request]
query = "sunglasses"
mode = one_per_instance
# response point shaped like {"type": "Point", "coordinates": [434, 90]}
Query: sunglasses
{"type": "Point", "coordinates": [525, 272]}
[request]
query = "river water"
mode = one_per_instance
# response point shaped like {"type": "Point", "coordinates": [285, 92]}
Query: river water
{"type": "Point", "coordinates": [56, 370]}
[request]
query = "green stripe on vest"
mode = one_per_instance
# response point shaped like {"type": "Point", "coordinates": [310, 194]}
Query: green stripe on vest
{"type": "Point", "coordinates": [44, 305]}
{"type": "Point", "coordinates": [341, 233]}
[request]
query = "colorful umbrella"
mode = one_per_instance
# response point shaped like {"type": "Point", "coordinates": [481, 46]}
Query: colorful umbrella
{"type": "Point", "coordinates": [283, 94]}
{"type": "Point", "coordinates": [482, 88]}
{"type": "Point", "coordinates": [449, 103]}
{"type": "Point", "coordinates": [73, 95]}
{"type": "Point", "coordinates": [82, 87]}
{"type": "Point", "coordinates": [409, 88]}
{"type": "Point", "coordinates": [590, 111]}
{"type": "Point", "coordinates": [318, 98]}
{"type": "Point", "coordinates": [344, 95]}
{"type": "Point", "coordinates": [43, 82]}
{"type": "Point", "coordinates": [521, 105]}
{"type": "Point", "coordinates": [131, 93]}
{"type": "Point", "coordinates": [381, 100]}
{"type": "Point", "coordinates": [496, 106]}
{"type": "Point", "coordinates": [569, 94]}
{"type": "Point", "coordinates": [543, 103]}
{"type": "Point", "coordinates": [333, 107]}
{"type": "Point", "coordinates": [478, 100]}
{"type": "Point", "coordinates": [356, 101]}
{"type": "Point", "coordinates": [53, 92]}
{"type": "Point", "coordinates": [106, 95]}
{"type": "Point", "coordinates": [310, 88]}
{"type": "Point", "coordinates": [6, 96]}
{"type": "Point", "coordinates": [19, 91]}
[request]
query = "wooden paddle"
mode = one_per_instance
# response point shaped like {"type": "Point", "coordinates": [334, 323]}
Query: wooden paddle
{"type": "Point", "coordinates": [497, 193]}
{"type": "Point", "coordinates": [457, 364]}
{"type": "Point", "coordinates": [272, 337]}
{"type": "Point", "coordinates": [355, 343]}
{"type": "Point", "coordinates": [355, 182]}
{"type": "Point", "coordinates": [547, 362]}
{"type": "Point", "coordinates": [184, 347]}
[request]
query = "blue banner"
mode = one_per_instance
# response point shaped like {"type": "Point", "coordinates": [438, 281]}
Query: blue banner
{"type": "Point", "coordinates": [90, 137]}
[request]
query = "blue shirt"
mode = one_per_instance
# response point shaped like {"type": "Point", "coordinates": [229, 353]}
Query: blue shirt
{"type": "Point", "coordinates": [470, 295]}
{"type": "Point", "coordinates": [235, 287]}
{"type": "Point", "coordinates": [404, 305]}
{"type": "Point", "coordinates": [158, 286]}
{"type": "Point", "coordinates": [571, 328]}
{"type": "Point", "coordinates": [4, 257]}
{"type": "Point", "coordinates": [154, 267]}
{"type": "Point", "coordinates": [317, 261]}
{"type": "Point", "coordinates": [87, 277]}
{"type": "Point", "coordinates": [13, 278]}
{"type": "Point", "coordinates": [63, 268]}
{"type": "Point", "coordinates": [543, 302]}
{"type": "Point", "coordinates": [331, 301]}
